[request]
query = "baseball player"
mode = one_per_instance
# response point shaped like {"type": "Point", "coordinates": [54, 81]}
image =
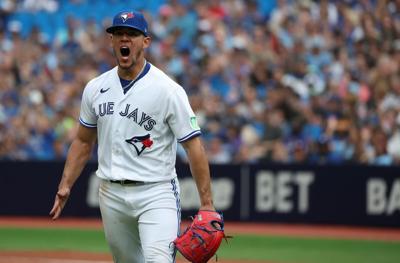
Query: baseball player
{"type": "Point", "coordinates": [137, 114]}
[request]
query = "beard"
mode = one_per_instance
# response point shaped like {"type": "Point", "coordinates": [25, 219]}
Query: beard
{"type": "Point", "coordinates": [131, 62]}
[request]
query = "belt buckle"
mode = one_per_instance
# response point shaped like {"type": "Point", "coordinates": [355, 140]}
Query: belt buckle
{"type": "Point", "coordinates": [123, 182]}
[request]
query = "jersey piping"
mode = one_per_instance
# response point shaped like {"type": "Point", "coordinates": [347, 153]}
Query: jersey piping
{"type": "Point", "coordinates": [87, 124]}
{"type": "Point", "coordinates": [141, 75]}
{"type": "Point", "coordinates": [189, 136]}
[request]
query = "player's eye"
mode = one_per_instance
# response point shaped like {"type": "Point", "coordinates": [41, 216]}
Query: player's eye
{"type": "Point", "coordinates": [133, 33]}
{"type": "Point", "coordinates": [130, 33]}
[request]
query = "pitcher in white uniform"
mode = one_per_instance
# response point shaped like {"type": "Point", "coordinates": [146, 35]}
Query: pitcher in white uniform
{"type": "Point", "coordinates": [137, 114]}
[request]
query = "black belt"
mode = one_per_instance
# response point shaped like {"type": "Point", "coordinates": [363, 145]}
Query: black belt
{"type": "Point", "coordinates": [126, 182]}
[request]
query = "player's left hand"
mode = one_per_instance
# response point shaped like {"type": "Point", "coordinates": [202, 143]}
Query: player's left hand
{"type": "Point", "coordinates": [59, 202]}
{"type": "Point", "coordinates": [203, 237]}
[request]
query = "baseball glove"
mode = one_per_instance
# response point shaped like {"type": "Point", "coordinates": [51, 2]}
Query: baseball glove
{"type": "Point", "coordinates": [202, 238]}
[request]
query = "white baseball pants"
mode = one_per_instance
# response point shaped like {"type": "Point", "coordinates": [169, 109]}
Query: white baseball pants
{"type": "Point", "coordinates": [141, 221]}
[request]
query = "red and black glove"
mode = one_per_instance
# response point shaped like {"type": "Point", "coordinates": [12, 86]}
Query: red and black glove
{"type": "Point", "coordinates": [202, 238]}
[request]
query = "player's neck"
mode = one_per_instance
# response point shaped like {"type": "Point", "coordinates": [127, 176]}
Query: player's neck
{"type": "Point", "coordinates": [133, 72]}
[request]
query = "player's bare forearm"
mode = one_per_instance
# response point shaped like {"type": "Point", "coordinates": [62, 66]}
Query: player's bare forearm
{"type": "Point", "coordinates": [200, 170]}
{"type": "Point", "coordinates": [78, 155]}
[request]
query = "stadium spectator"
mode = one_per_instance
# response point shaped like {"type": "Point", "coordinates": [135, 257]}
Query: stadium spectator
{"type": "Point", "coordinates": [270, 81]}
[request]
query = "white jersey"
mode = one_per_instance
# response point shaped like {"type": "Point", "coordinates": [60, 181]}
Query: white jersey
{"type": "Point", "coordinates": [138, 131]}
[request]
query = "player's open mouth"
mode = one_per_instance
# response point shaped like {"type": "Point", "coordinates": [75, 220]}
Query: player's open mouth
{"type": "Point", "coordinates": [125, 51]}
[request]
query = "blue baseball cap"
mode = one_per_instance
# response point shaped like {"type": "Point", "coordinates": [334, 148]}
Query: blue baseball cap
{"type": "Point", "coordinates": [130, 19]}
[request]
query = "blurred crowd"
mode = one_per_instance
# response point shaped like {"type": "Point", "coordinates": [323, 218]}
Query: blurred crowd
{"type": "Point", "coordinates": [314, 82]}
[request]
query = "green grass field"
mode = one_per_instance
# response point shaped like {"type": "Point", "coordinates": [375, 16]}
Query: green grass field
{"type": "Point", "coordinates": [241, 247]}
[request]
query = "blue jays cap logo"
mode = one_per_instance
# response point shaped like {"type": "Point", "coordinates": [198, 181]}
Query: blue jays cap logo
{"type": "Point", "coordinates": [126, 16]}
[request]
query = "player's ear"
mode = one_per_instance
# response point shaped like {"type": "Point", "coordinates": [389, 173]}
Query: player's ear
{"type": "Point", "coordinates": [111, 40]}
{"type": "Point", "coordinates": [146, 42]}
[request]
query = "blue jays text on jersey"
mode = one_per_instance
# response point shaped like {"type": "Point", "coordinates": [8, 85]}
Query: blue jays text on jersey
{"type": "Point", "coordinates": [139, 117]}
